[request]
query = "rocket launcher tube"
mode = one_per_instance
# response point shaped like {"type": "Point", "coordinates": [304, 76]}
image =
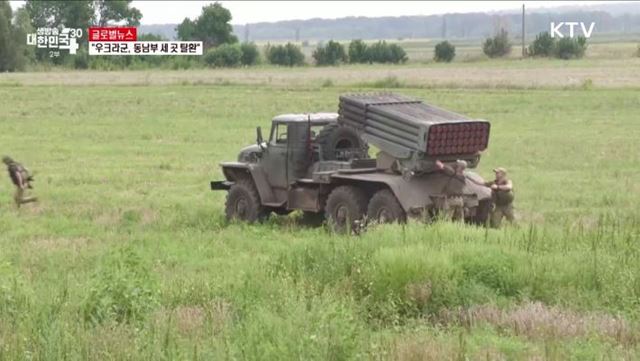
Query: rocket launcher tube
{"type": "Point", "coordinates": [410, 130]}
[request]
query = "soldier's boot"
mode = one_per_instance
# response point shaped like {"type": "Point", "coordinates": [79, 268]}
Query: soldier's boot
{"type": "Point", "coordinates": [20, 198]}
{"type": "Point", "coordinates": [29, 200]}
{"type": "Point", "coordinates": [17, 197]}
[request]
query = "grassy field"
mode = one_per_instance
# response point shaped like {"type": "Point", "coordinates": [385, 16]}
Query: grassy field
{"type": "Point", "coordinates": [128, 256]}
{"type": "Point", "coordinates": [500, 74]}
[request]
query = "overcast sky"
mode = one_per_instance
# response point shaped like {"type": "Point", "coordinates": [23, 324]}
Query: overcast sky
{"type": "Point", "coordinates": [164, 12]}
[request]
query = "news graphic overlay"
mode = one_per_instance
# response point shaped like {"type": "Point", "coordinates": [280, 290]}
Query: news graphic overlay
{"type": "Point", "coordinates": [55, 39]}
{"type": "Point", "coordinates": [124, 41]}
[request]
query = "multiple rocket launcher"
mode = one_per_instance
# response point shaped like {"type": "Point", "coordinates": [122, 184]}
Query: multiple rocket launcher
{"type": "Point", "coordinates": [406, 128]}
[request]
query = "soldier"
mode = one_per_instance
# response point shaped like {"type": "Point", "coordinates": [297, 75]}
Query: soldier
{"type": "Point", "coordinates": [454, 206]}
{"type": "Point", "coordinates": [21, 179]}
{"type": "Point", "coordinates": [502, 196]}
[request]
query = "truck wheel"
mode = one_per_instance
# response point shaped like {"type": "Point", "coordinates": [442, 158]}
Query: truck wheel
{"type": "Point", "coordinates": [345, 205]}
{"type": "Point", "coordinates": [385, 208]}
{"type": "Point", "coordinates": [243, 202]}
{"type": "Point", "coordinates": [341, 143]}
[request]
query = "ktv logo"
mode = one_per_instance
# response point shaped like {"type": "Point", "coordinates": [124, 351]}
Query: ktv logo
{"type": "Point", "coordinates": [557, 29]}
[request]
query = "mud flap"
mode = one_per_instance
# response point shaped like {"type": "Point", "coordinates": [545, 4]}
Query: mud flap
{"type": "Point", "coordinates": [221, 185]}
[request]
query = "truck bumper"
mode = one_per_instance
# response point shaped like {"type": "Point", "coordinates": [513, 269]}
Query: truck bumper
{"type": "Point", "coordinates": [221, 185]}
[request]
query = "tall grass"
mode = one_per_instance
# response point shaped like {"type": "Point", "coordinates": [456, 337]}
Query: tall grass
{"type": "Point", "coordinates": [127, 254]}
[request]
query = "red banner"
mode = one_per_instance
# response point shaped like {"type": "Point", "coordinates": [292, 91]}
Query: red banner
{"type": "Point", "coordinates": [113, 34]}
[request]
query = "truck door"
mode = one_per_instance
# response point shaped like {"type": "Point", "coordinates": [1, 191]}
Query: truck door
{"type": "Point", "coordinates": [275, 157]}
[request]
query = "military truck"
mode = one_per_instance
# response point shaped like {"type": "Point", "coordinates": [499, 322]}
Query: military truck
{"type": "Point", "coordinates": [319, 164]}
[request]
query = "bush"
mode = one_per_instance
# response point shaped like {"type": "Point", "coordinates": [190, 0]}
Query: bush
{"type": "Point", "coordinates": [332, 53]}
{"type": "Point", "coordinates": [444, 52]}
{"type": "Point", "coordinates": [286, 55]}
{"type": "Point", "coordinates": [543, 45]}
{"type": "Point", "coordinates": [250, 54]}
{"type": "Point", "coordinates": [225, 55]}
{"type": "Point", "coordinates": [568, 48]}
{"type": "Point", "coordinates": [358, 52]}
{"type": "Point", "coordinates": [381, 52]}
{"type": "Point", "coordinates": [81, 60]}
{"type": "Point", "coordinates": [182, 62]}
{"type": "Point", "coordinates": [398, 55]}
{"type": "Point", "coordinates": [497, 46]}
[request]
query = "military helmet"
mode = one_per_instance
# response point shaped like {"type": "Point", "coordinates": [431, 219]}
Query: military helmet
{"type": "Point", "coordinates": [7, 160]}
{"type": "Point", "coordinates": [500, 170]}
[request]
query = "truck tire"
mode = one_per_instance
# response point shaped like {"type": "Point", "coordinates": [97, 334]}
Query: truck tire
{"type": "Point", "coordinates": [341, 143]}
{"type": "Point", "coordinates": [385, 208]}
{"type": "Point", "coordinates": [243, 202]}
{"type": "Point", "coordinates": [345, 205]}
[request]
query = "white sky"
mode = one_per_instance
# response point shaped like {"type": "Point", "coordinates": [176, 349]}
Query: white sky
{"type": "Point", "coordinates": [164, 12]}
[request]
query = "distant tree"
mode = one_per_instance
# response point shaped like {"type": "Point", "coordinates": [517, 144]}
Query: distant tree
{"type": "Point", "coordinates": [81, 60]}
{"type": "Point", "coordinates": [212, 27]}
{"type": "Point", "coordinates": [497, 46]}
{"type": "Point", "coordinates": [186, 30]}
{"type": "Point", "coordinates": [358, 51]}
{"type": "Point", "coordinates": [398, 55]}
{"type": "Point", "coordinates": [332, 53]}
{"type": "Point", "coordinates": [287, 55]}
{"type": "Point", "coordinates": [378, 52]}
{"type": "Point", "coordinates": [543, 45]}
{"type": "Point", "coordinates": [7, 46]}
{"type": "Point", "coordinates": [151, 37]}
{"type": "Point", "coordinates": [79, 14]}
{"type": "Point", "coordinates": [71, 14]}
{"type": "Point", "coordinates": [568, 48]}
{"type": "Point", "coordinates": [444, 52]}
{"type": "Point", "coordinates": [295, 54]}
{"type": "Point", "coordinates": [21, 27]}
{"type": "Point", "coordinates": [225, 55]}
{"type": "Point", "coordinates": [382, 52]}
{"type": "Point", "coordinates": [250, 54]}
{"type": "Point", "coordinates": [116, 11]}
{"type": "Point", "coordinates": [82, 13]}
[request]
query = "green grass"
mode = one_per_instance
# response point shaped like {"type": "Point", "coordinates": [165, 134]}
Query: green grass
{"type": "Point", "coordinates": [128, 256]}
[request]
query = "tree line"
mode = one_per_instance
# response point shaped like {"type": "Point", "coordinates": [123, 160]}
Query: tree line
{"type": "Point", "coordinates": [15, 55]}
{"type": "Point", "coordinates": [476, 25]}
{"type": "Point", "coordinates": [500, 45]}
{"type": "Point", "coordinates": [212, 27]}
{"type": "Point", "coordinates": [222, 48]}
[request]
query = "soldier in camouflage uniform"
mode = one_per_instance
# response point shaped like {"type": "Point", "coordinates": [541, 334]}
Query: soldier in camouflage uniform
{"type": "Point", "coordinates": [21, 179]}
{"type": "Point", "coordinates": [502, 195]}
{"type": "Point", "coordinates": [454, 206]}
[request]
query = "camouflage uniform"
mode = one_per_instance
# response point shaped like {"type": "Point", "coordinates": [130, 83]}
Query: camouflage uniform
{"type": "Point", "coordinates": [21, 179]}
{"type": "Point", "coordinates": [502, 198]}
{"type": "Point", "coordinates": [454, 205]}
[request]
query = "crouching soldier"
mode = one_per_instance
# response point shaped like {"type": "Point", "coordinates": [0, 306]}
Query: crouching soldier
{"type": "Point", "coordinates": [502, 195]}
{"type": "Point", "coordinates": [21, 179]}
